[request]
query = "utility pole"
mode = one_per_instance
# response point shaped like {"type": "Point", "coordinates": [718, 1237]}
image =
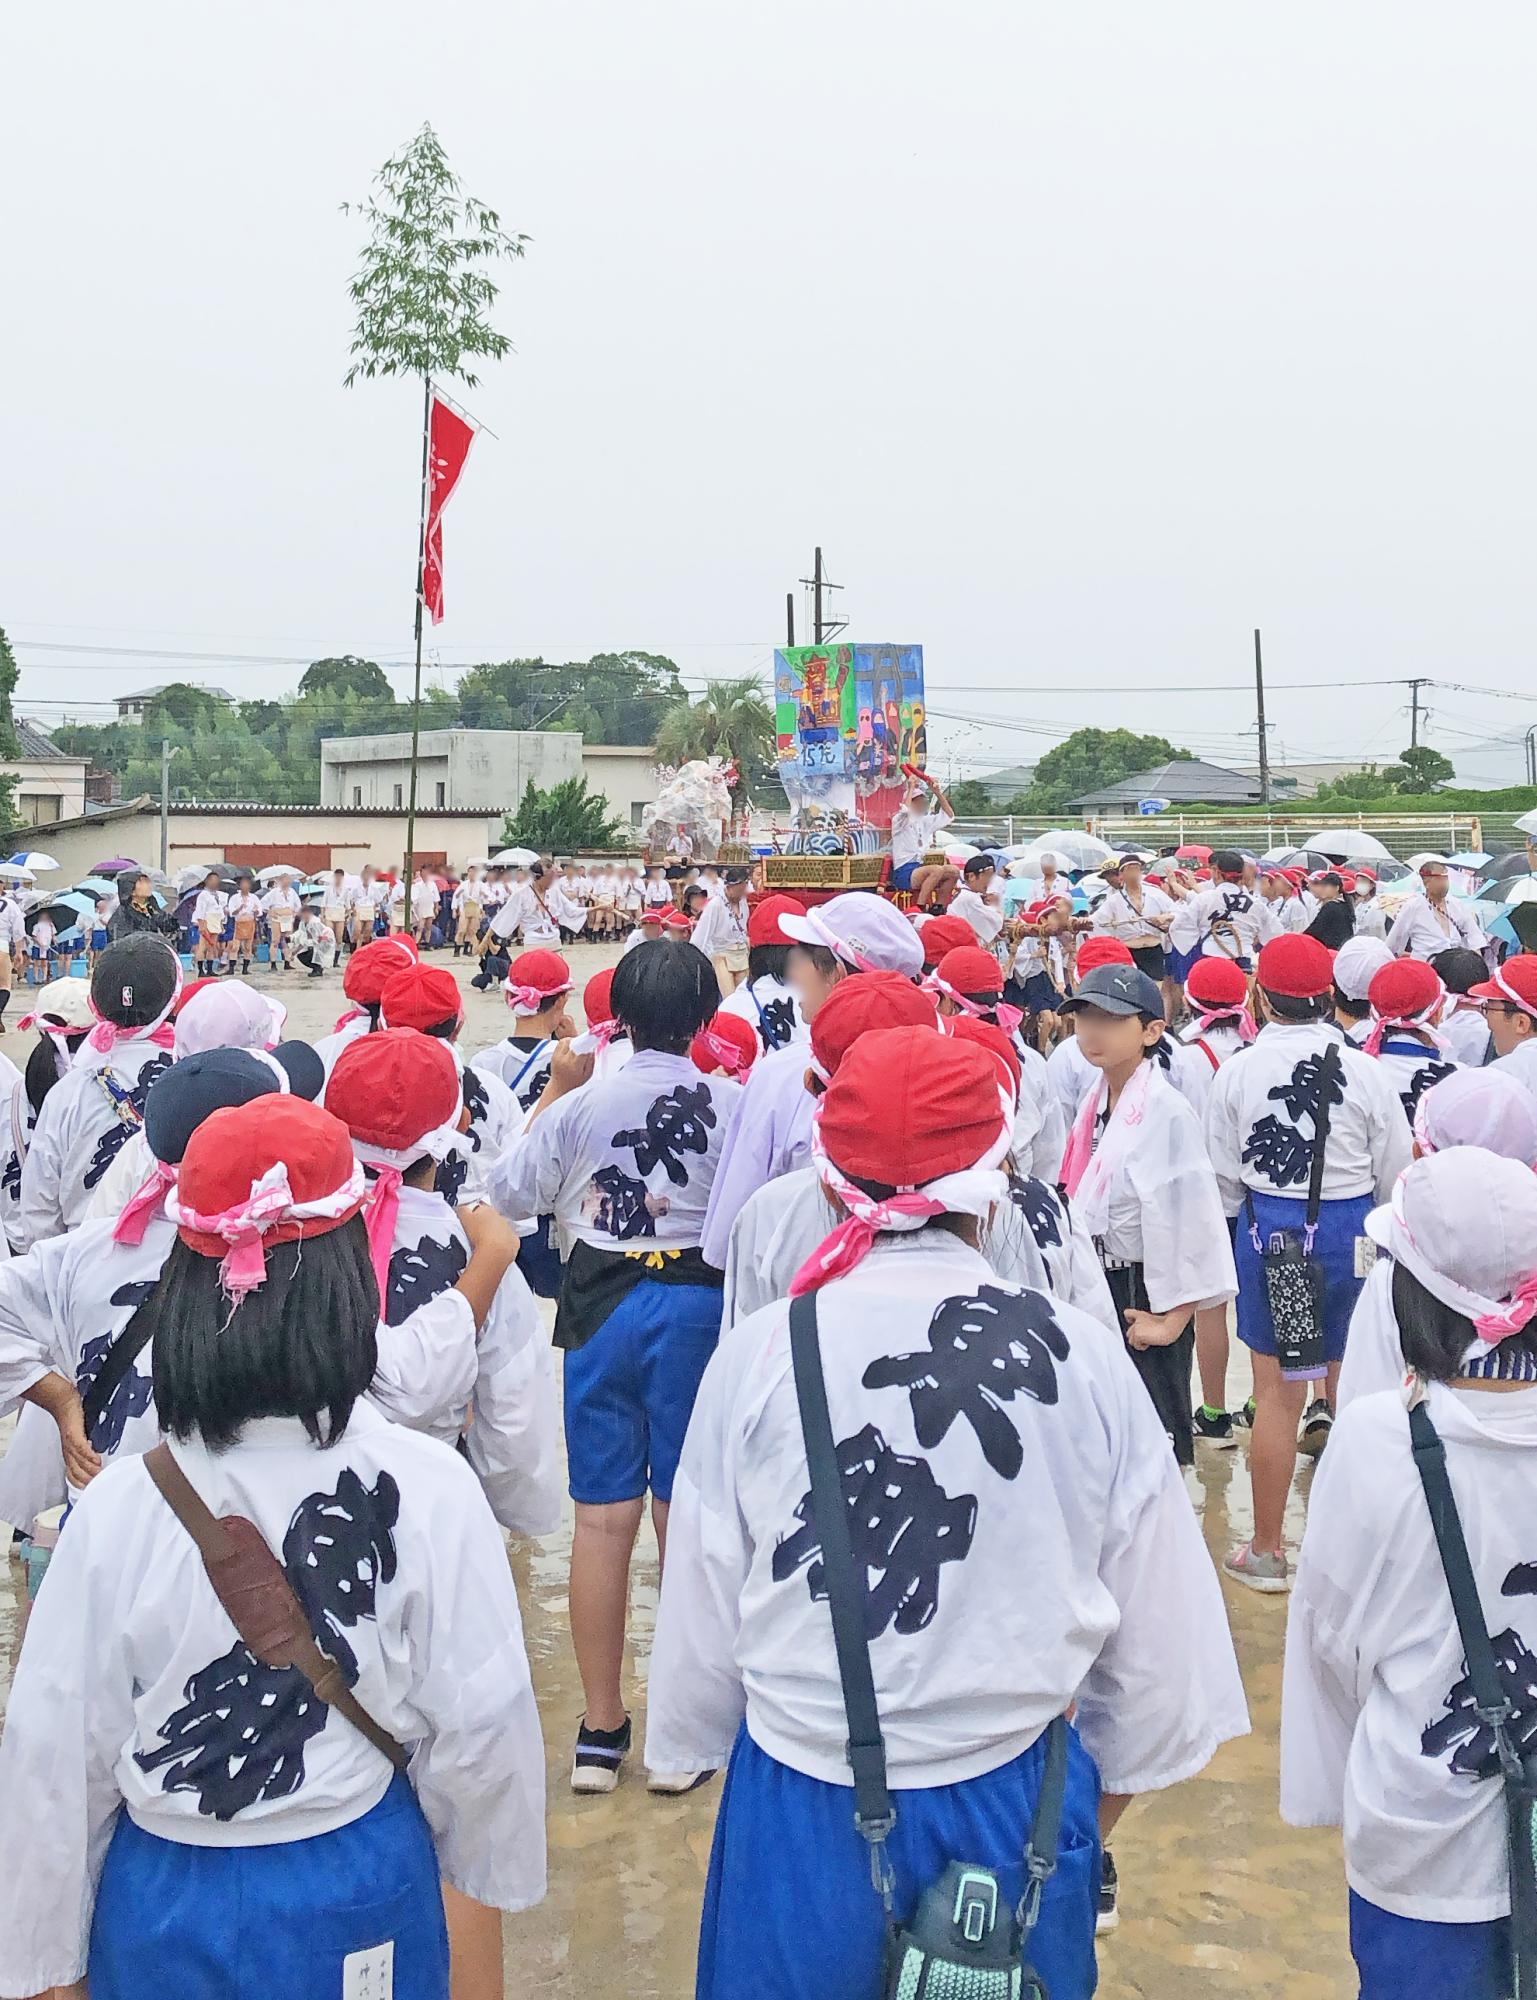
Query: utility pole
{"type": "Point", "coordinates": [165, 801]}
{"type": "Point", "coordinates": [789, 617]}
{"type": "Point", "coordinates": [822, 628]}
{"type": "Point", "coordinates": [1264, 740]}
{"type": "Point", "coordinates": [1414, 712]}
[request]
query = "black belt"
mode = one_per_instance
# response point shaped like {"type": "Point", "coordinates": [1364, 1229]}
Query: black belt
{"type": "Point", "coordinates": [597, 1283]}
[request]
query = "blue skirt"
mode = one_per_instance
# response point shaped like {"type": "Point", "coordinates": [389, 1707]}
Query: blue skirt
{"type": "Point", "coordinates": [789, 1910]}
{"type": "Point", "coordinates": [1405, 1955]}
{"type": "Point", "coordinates": [1334, 1251]}
{"type": "Point", "coordinates": [253, 1923]}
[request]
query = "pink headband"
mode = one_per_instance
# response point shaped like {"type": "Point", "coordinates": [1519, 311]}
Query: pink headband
{"type": "Point", "coordinates": [1007, 1017]}
{"type": "Point", "coordinates": [973, 1190]}
{"type": "Point", "coordinates": [840, 947]}
{"type": "Point", "coordinates": [725, 1051]}
{"type": "Point", "coordinates": [244, 1223]}
{"type": "Point", "coordinates": [135, 1217]}
{"type": "Point", "coordinates": [1240, 1017]}
{"type": "Point", "coordinates": [106, 1035]}
{"type": "Point", "coordinates": [379, 1213]}
{"type": "Point", "coordinates": [531, 999]}
{"type": "Point", "coordinates": [1511, 994]}
{"type": "Point", "coordinates": [1493, 1320]}
{"type": "Point", "coordinates": [1385, 1022]}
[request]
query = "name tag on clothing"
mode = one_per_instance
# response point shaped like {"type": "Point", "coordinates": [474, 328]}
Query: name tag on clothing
{"type": "Point", "coordinates": [1366, 1256]}
{"type": "Point", "coordinates": [369, 1975]}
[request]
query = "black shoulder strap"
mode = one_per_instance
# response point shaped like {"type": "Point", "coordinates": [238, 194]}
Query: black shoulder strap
{"type": "Point", "coordinates": [1489, 1701]}
{"type": "Point", "coordinates": [117, 1361]}
{"type": "Point", "coordinates": [1326, 1075]}
{"type": "Point", "coordinates": [873, 1811]}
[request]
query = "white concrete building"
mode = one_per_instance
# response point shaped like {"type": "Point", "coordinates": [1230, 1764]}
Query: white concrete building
{"type": "Point", "coordinates": [49, 783]}
{"type": "Point", "coordinates": [483, 769]}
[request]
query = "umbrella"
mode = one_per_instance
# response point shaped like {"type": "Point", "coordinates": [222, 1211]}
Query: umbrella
{"type": "Point", "coordinates": [1509, 867]}
{"type": "Point", "coordinates": [278, 868]}
{"type": "Point", "coordinates": [1417, 861]}
{"type": "Point", "coordinates": [1192, 852]}
{"type": "Point", "coordinates": [1469, 860]}
{"type": "Point", "coordinates": [1523, 890]}
{"type": "Point", "coordinates": [94, 886]}
{"type": "Point", "coordinates": [1527, 823]}
{"type": "Point", "coordinates": [12, 871]}
{"type": "Point", "coordinates": [35, 860]}
{"type": "Point", "coordinates": [1348, 843]}
{"type": "Point", "coordinates": [514, 857]}
{"type": "Point", "coordinates": [115, 867]}
{"type": "Point", "coordinates": [65, 913]}
{"type": "Point", "coordinates": [959, 851]}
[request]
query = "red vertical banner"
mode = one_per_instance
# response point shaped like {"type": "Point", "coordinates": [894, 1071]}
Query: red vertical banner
{"type": "Point", "coordinates": [449, 437]}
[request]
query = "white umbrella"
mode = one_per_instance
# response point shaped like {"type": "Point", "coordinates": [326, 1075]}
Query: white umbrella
{"type": "Point", "coordinates": [1082, 850]}
{"type": "Point", "coordinates": [1348, 843]}
{"type": "Point", "coordinates": [957, 851]}
{"type": "Point", "coordinates": [514, 857]}
{"type": "Point", "coordinates": [1522, 890]}
{"type": "Point", "coordinates": [12, 871]}
{"type": "Point", "coordinates": [34, 859]}
{"type": "Point", "coordinates": [1417, 861]}
{"type": "Point", "coordinates": [1527, 823]}
{"type": "Point", "coordinates": [278, 868]}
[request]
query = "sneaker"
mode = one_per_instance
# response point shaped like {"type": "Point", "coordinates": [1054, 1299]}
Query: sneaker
{"type": "Point", "coordinates": [598, 1756]}
{"type": "Point", "coordinates": [1247, 1566]}
{"type": "Point", "coordinates": [673, 1784]}
{"type": "Point", "coordinates": [1108, 1916]}
{"type": "Point", "coordinates": [1216, 1426]}
{"type": "Point", "coordinates": [1317, 1422]}
{"type": "Point", "coordinates": [1245, 1416]}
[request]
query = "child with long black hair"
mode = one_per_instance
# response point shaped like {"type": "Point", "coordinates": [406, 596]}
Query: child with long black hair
{"type": "Point", "coordinates": [178, 1816]}
{"type": "Point", "coordinates": [625, 1165]}
{"type": "Point", "coordinates": [1379, 1729]}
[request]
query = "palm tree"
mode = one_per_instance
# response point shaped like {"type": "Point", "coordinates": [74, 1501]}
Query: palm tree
{"type": "Point", "coordinates": [730, 719]}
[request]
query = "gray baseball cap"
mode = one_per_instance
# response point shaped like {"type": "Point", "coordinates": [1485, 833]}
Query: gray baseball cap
{"type": "Point", "coordinates": [1117, 989]}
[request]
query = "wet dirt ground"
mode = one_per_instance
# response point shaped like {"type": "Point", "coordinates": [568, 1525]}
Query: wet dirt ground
{"type": "Point", "coordinates": [1218, 1898]}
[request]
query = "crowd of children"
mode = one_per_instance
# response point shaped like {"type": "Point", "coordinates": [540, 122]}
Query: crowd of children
{"type": "Point", "coordinates": [894, 1259]}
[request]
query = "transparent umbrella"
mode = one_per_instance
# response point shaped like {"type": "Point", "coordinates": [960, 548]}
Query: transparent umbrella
{"type": "Point", "coordinates": [1348, 843]}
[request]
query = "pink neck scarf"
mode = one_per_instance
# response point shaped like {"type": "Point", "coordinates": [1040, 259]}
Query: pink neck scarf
{"type": "Point", "coordinates": [140, 1208]}
{"type": "Point", "coordinates": [1386, 1023]}
{"type": "Point", "coordinates": [1087, 1170]}
{"type": "Point", "coordinates": [382, 1208]}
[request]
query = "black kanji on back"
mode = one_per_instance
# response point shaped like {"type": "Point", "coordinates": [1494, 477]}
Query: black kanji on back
{"type": "Point", "coordinates": [678, 1122]}
{"type": "Point", "coordinates": [983, 1351]}
{"type": "Point", "coordinates": [420, 1273]}
{"type": "Point", "coordinates": [1042, 1211]}
{"type": "Point", "coordinates": [131, 1397]}
{"type": "Point", "coordinates": [1281, 1152]}
{"type": "Point", "coordinates": [776, 1023]}
{"type": "Point", "coordinates": [902, 1524]}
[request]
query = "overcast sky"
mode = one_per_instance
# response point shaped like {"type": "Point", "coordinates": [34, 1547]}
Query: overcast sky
{"type": "Point", "coordinates": [1084, 338]}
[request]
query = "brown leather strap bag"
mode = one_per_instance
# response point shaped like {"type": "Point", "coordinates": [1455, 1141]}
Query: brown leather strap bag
{"type": "Point", "coordinates": [250, 1583]}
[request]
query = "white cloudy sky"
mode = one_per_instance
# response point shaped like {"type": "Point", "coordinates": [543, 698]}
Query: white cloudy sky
{"type": "Point", "coordinates": [1084, 338]}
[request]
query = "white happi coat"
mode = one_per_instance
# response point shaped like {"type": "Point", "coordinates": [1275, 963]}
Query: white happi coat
{"type": "Point", "coordinates": [1243, 918]}
{"type": "Point", "coordinates": [85, 1118]}
{"type": "Point", "coordinates": [1413, 1068]}
{"type": "Point", "coordinates": [1467, 1036]}
{"type": "Point", "coordinates": [524, 1070]}
{"type": "Point", "coordinates": [329, 1047]}
{"type": "Point", "coordinates": [1164, 1210]}
{"type": "Point", "coordinates": [17, 1120]}
{"type": "Point", "coordinates": [1069, 1072]}
{"type": "Point", "coordinates": [771, 1136]}
{"type": "Point", "coordinates": [495, 1116]}
{"type": "Point", "coordinates": [62, 1307]}
{"type": "Point", "coordinates": [1374, 1355]}
{"type": "Point", "coordinates": [539, 915]}
{"type": "Point", "coordinates": [625, 1163]}
{"type": "Point", "coordinates": [1256, 1138]}
{"type": "Point", "coordinates": [507, 1391]}
{"type": "Point", "coordinates": [1029, 1543]}
{"type": "Point", "coordinates": [769, 1006]}
{"type": "Point", "coordinates": [1029, 1240]}
{"type": "Point", "coordinates": [132, 1687]}
{"type": "Point", "coordinates": [1378, 1733]}
{"type": "Point", "coordinates": [1040, 1129]}
{"type": "Point", "coordinates": [722, 926]}
{"type": "Point", "coordinates": [1420, 932]}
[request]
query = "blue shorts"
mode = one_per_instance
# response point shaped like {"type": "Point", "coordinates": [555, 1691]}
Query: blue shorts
{"type": "Point", "coordinates": [249, 1922]}
{"type": "Point", "coordinates": [1041, 996]}
{"type": "Point", "coordinates": [1399, 1955]}
{"type": "Point", "coordinates": [1334, 1250]}
{"type": "Point", "coordinates": [902, 878]}
{"type": "Point", "coordinates": [99, 940]}
{"type": "Point", "coordinates": [788, 1905]}
{"type": "Point", "coordinates": [629, 1391]}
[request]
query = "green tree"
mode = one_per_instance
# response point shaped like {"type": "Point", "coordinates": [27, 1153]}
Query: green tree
{"type": "Point", "coordinates": [10, 745]}
{"type": "Point", "coordinates": [1090, 758]}
{"type": "Point", "coordinates": [1421, 769]}
{"type": "Point", "coordinates": [730, 719]}
{"type": "Point", "coordinates": [423, 291]}
{"type": "Point", "coordinates": [1367, 783]}
{"type": "Point", "coordinates": [611, 698]}
{"type": "Point", "coordinates": [180, 705]}
{"type": "Point", "coordinates": [972, 799]}
{"type": "Point", "coordinates": [344, 675]}
{"type": "Point", "coordinates": [565, 818]}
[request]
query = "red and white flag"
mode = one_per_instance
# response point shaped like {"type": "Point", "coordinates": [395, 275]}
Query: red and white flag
{"type": "Point", "coordinates": [449, 437]}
